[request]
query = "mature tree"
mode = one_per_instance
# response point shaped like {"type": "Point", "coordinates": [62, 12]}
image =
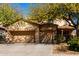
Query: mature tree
{"type": "Point", "coordinates": [8, 15]}
{"type": "Point", "coordinates": [53, 11]}
{"type": "Point", "coordinates": [73, 11]}
{"type": "Point", "coordinates": [46, 11]}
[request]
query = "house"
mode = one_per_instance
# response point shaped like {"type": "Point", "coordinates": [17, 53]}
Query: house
{"type": "Point", "coordinates": [25, 31]}
{"type": "Point", "coordinates": [22, 31]}
{"type": "Point", "coordinates": [28, 31]}
{"type": "Point", "coordinates": [64, 28]}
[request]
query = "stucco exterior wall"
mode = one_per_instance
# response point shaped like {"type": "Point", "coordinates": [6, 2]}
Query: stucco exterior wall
{"type": "Point", "coordinates": [22, 26]}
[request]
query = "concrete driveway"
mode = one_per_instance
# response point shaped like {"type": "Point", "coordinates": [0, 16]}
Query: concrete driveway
{"type": "Point", "coordinates": [19, 49]}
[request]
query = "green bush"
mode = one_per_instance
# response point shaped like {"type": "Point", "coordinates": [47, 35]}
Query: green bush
{"type": "Point", "coordinates": [60, 38]}
{"type": "Point", "coordinates": [74, 44]}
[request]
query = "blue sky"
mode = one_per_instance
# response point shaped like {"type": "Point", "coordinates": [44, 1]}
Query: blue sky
{"type": "Point", "coordinates": [23, 8]}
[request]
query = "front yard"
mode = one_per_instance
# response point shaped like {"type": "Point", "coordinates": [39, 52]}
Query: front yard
{"type": "Point", "coordinates": [28, 49]}
{"type": "Point", "coordinates": [62, 50]}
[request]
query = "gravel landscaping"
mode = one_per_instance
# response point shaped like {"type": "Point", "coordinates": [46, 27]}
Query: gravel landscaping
{"type": "Point", "coordinates": [62, 50]}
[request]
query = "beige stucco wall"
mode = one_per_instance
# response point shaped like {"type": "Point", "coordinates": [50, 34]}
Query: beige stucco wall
{"type": "Point", "coordinates": [22, 26]}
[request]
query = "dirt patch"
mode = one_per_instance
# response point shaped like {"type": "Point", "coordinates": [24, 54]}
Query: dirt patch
{"type": "Point", "coordinates": [62, 50]}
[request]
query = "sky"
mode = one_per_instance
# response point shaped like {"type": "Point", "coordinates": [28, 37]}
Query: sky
{"type": "Point", "coordinates": [23, 8]}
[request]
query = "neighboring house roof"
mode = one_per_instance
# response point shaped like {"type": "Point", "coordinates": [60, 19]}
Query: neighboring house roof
{"type": "Point", "coordinates": [65, 27]}
{"type": "Point", "coordinates": [60, 22]}
{"type": "Point", "coordinates": [63, 24]}
{"type": "Point", "coordinates": [2, 28]}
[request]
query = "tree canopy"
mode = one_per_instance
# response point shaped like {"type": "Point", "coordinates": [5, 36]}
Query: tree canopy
{"type": "Point", "coordinates": [8, 15]}
{"type": "Point", "coordinates": [67, 11]}
{"type": "Point", "coordinates": [53, 11]}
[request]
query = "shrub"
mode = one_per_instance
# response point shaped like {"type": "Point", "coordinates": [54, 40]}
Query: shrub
{"type": "Point", "coordinates": [2, 37]}
{"type": "Point", "coordinates": [59, 38]}
{"type": "Point", "coordinates": [74, 44]}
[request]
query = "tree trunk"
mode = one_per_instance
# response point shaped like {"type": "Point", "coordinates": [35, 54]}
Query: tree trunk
{"type": "Point", "coordinates": [74, 25]}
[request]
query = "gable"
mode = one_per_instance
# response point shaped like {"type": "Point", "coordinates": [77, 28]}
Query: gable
{"type": "Point", "coordinates": [21, 25]}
